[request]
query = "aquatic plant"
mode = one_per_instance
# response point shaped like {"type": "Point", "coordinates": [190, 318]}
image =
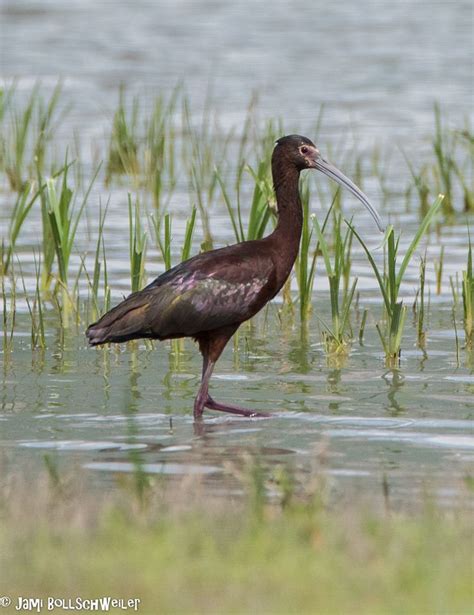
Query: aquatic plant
{"type": "Point", "coordinates": [64, 220]}
{"type": "Point", "coordinates": [163, 236]}
{"type": "Point", "coordinates": [389, 281]}
{"type": "Point", "coordinates": [159, 150]}
{"type": "Point", "coordinates": [35, 308]}
{"type": "Point", "coordinates": [137, 245]}
{"type": "Point", "coordinates": [443, 147]}
{"type": "Point", "coordinates": [305, 265]}
{"type": "Point", "coordinates": [465, 168]}
{"type": "Point", "coordinates": [99, 271]}
{"type": "Point", "coordinates": [23, 204]}
{"type": "Point", "coordinates": [8, 311]}
{"type": "Point", "coordinates": [420, 182]}
{"type": "Point", "coordinates": [27, 129]}
{"type": "Point", "coordinates": [123, 146]}
{"type": "Point", "coordinates": [420, 306]}
{"type": "Point", "coordinates": [261, 206]}
{"type": "Point", "coordinates": [468, 299]}
{"type": "Point", "coordinates": [438, 267]}
{"type": "Point", "coordinates": [336, 335]}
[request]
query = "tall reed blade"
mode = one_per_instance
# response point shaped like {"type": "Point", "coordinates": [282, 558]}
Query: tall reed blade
{"type": "Point", "coordinates": [389, 280]}
{"type": "Point", "coordinates": [468, 299]}
{"type": "Point", "coordinates": [137, 245]}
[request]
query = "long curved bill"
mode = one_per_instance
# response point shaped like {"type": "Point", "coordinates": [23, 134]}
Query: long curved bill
{"type": "Point", "coordinates": [331, 171]}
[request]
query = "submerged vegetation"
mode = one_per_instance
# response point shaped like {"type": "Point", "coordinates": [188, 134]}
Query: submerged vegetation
{"type": "Point", "coordinates": [155, 156]}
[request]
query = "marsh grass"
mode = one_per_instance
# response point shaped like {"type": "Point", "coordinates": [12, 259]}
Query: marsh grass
{"type": "Point", "coordinates": [261, 206]}
{"type": "Point", "coordinates": [336, 336]}
{"type": "Point", "coordinates": [216, 165]}
{"type": "Point", "coordinates": [421, 184]}
{"type": "Point", "coordinates": [8, 311]}
{"type": "Point", "coordinates": [27, 129]}
{"type": "Point", "coordinates": [419, 306]}
{"type": "Point", "coordinates": [159, 154]}
{"type": "Point", "coordinates": [389, 281]}
{"type": "Point", "coordinates": [438, 267]}
{"type": "Point", "coordinates": [35, 308]}
{"type": "Point", "coordinates": [64, 217]}
{"type": "Point", "coordinates": [99, 272]}
{"type": "Point", "coordinates": [137, 245]}
{"type": "Point", "coordinates": [305, 265]}
{"type": "Point", "coordinates": [468, 300]}
{"type": "Point", "coordinates": [465, 169]}
{"type": "Point", "coordinates": [443, 147]}
{"type": "Point", "coordinates": [23, 204]}
{"type": "Point", "coordinates": [123, 147]}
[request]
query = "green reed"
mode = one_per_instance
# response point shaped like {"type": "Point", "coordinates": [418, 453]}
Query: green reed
{"type": "Point", "coordinates": [443, 147]}
{"type": "Point", "coordinates": [164, 237]}
{"type": "Point", "coordinates": [159, 150]}
{"type": "Point", "coordinates": [420, 182]}
{"type": "Point", "coordinates": [336, 335]}
{"type": "Point", "coordinates": [420, 306]}
{"type": "Point", "coordinates": [9, 311]}
{"type": "Point", "coordinates": [123, 146]}
{"type": "Point", "coordinates": [468, 299]}
{"type": "Point", "coordinates": [27, 130]}
{"type": "Point", "coordinates": [137, 245]}
{"type": "Point", "coordinates": [465, 169]}
{"type": "Point", "coordinates": [63, 219]}
{"type": "Point", "coordinates": [261, 206]}
{"type": "Point", "coordinates": [23, 204]}
{"type": "Point", "coordinates": [35, 309]}
{"type": "Point", "coordinates": [100, 269]}
{"type": "Point", "coordinates": [389, 281]}
{"type": "Point", "coordinates": [450, 170]}
{"type": "Point", "coordinates": [215, 164]}
{"type": "Point", "coordinates": [14, 145]}
{"type": "Point", "coordinates": [305, 266]}
{"type": "Point", "coordinates": [142, 147]}
{"type": "Point", "coordinates": [206, 150]}
{"type": "Point", "coordinates": [438, 267]}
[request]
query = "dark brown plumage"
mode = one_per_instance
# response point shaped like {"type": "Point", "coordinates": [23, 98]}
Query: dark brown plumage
{"type": "Point", "coordinates": [210, 295]}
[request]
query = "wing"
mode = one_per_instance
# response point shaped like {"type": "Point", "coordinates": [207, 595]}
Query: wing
{"type": "Point", "coordinates": [212, 290]}
{"type": "Point", "coordinates": [209, 291]}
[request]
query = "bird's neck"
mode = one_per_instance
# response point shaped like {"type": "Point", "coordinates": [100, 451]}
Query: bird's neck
{"type": "Point", "coordinates": [287, 234]}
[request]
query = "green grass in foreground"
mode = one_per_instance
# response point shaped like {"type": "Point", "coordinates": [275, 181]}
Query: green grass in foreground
{"type": "Point", "coordinates": [188, 553]}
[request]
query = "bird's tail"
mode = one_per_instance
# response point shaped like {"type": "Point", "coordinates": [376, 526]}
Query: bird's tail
{"type": "Point", "coordinates": [124, 322]}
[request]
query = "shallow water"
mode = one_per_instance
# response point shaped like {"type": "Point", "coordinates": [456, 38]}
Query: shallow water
{"type": "Point", "coordinates": [104, 411]}
{"type": "Point", "coordinates": [377, 67]}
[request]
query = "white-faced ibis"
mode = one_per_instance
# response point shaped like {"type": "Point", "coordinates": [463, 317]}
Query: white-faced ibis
{"type": "Point", "coordinates": [210, 295]}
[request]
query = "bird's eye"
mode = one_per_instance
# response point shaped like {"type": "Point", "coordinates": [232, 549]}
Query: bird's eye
{"type": "Point", "coordinates": [304, 150]}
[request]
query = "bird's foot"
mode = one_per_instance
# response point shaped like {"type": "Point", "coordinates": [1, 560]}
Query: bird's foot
{"type": "Point", "coordinates": [215, 405]}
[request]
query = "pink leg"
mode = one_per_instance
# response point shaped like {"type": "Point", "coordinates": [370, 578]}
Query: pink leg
{"type": "Point", "coordinates": [216, 405]}
{"type": "Point", "coordinates": [204, 400]}
{"type": "Point", "coordinates": [202, 396]}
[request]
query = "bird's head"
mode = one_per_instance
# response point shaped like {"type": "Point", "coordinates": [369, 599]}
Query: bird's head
{"type": "Point", "coordinates": [301, 153]}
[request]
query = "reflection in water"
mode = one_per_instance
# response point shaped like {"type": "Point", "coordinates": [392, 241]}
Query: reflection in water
{"type": "Point", "coordinates": [422, 361]}
{"type": "Point", "coordinates": [333, 386]}
{"type": "Point", "coordinates": [395, 381]}
{"type": "Point", "coordinates": [299, 355]}
{"type": "Point", "coordinates": [133, 394]}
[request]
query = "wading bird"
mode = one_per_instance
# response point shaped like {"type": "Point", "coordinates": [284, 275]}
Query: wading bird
{"type": "Point", "coordinates": [210, 295]}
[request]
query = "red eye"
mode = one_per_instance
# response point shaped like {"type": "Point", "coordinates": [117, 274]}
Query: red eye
{"type": "Point", "coordinates": [304, 150]}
